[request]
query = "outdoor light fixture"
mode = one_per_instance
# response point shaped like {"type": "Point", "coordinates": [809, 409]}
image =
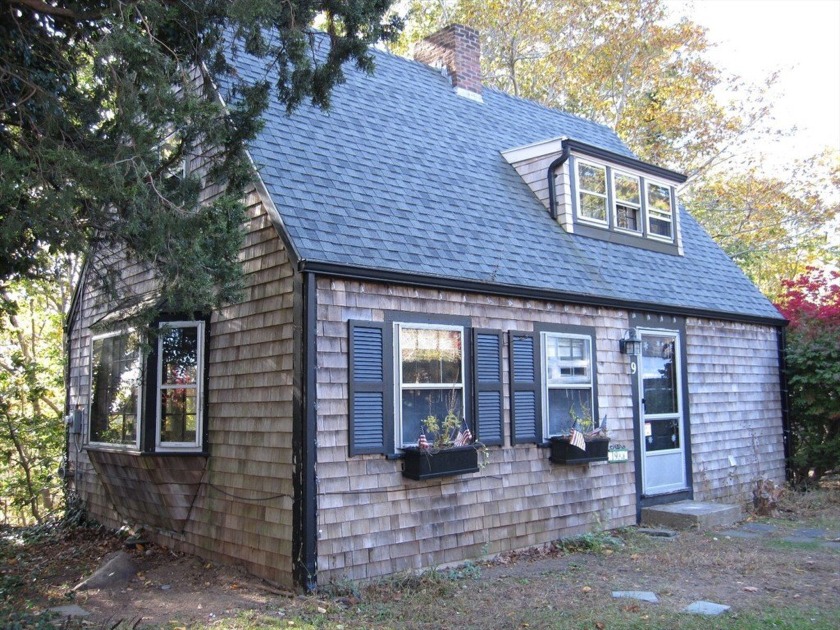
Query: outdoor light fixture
{"type": "Point", "coordinates": [631, 344]}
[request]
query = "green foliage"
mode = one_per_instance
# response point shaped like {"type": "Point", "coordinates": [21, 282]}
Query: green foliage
{"type": "Point", "coordinates": [31, 391]}
{"type": "Point", "coordinates": [101, 104]}
{"type": "Point", "coordinates": [812, 303]}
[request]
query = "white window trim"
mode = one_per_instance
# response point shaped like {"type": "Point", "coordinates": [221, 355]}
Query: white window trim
{"type": "Point", "coordinates": [195, 445]}
{"type": "Point", "coordinates": [545, 387]}
{"type": "Point", "coordinates": [657, 214]}
{"type": "Point", "coordinates": [139, 396]}
{"type": "Point", "coordinates": [400, 443]}
{"type": "Point", "coordinates": [579, 191]}
{"type": "Point", "coordinates": [641, 214]}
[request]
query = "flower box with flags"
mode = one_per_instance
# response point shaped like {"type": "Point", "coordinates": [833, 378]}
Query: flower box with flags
{"type": "Point", "coordinates": [424, 463]}
{"type": "Point", "coordinates": [563, 451]}
{"type": "Point", "coordinates": [579, 447]}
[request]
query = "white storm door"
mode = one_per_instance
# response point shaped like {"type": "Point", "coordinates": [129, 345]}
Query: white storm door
{"type": "Point", "coordinates": [662, 427]}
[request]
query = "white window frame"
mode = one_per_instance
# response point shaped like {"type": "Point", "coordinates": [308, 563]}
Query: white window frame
{"type": "Point", "coordinates": [640, 216]}
{"type": "Point", "coordinates": [400, 386]}
{"type": "Point", "coordinates": [138, 415]}
{"type": "Point", "coordinates": [658, 214]}
{"type": "Point", "coordinates": [580, 191]}
{"type": "Point", "coordinates": [590, 385]}
{"type": "Point", "coordinates": [198, 386]}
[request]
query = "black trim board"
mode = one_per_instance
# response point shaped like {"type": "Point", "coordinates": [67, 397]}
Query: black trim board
{"type": "Point", "coordinates": [372, 274]}
{"type": "Point", "coordinates": [623, 160]}
{"type": "Point", "coordinates": [304, 435]}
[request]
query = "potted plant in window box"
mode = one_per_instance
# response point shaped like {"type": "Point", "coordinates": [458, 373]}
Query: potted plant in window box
{"type": "Point", "coordinates": [586, 441]}
{"type": "Point", "coordinates": [451, 451]}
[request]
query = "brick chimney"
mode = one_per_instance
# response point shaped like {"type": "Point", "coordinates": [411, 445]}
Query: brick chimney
{"type": "Point", "coordinates": [456, 48]}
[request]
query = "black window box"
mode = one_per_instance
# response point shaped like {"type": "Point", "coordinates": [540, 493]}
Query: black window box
{"type": "Point", "coordinates": [422, 464]}
{"type": "Point", "coordinates": [562, 452]}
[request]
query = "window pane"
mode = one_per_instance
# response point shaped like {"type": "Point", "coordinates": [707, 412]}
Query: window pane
{"type": "Point", "coordinates": [627, 217]}
{"type": "Point", "coordinates": [660, 227]}
{"type": "Point", "coordinates": [418, 404]}
{"type": "Point", "coordinates": [593, 207]}
{"type": "Point", "coordinates": [662, 435]}
{"type": "Point", "coordinates": [115, 382]}
{"type": "Point", "coordinates": [659, 375]}
{"type": "Point", "coordinates": [179, 353]}
{"type": "Point", "coordinates": [627, 189]}
{"type": "Point", "coordinates": [430, 355]}
{"type": "Point", "coordinates": [178, 414]}
{"type": "Point", "coordinates": [567, 360]}
{"type": "Point", "coordinates": [592, 178]}
{"type": "Point", "coordinates": [560, 404]}
{"type": "Point", "coordinates": [659, 198]}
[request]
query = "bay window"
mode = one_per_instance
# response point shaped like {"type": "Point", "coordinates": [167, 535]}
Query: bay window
{"type": "Point", "coordinates": [149, 401]}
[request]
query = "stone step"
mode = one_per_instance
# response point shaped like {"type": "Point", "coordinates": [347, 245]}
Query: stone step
{"type": "Point", "coordinates": [691, 514]}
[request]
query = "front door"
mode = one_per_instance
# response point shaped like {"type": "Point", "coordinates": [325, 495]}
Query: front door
{"type": "Point", "coordinates": [661, 415]}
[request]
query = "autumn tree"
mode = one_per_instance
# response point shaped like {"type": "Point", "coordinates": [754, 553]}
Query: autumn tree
{"type": "Point", "coordinates": [633, 67]}
{"type": "Point", "coordinates": [773, 228]}
{"type": "Point", "coordinates": [811, 302]}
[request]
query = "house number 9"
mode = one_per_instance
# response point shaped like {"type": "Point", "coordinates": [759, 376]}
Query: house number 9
{"type": "Point", "coordinates": [632, 367]}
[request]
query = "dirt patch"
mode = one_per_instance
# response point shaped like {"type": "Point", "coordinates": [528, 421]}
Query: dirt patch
{"type": "Point", "coordinates": [767, 564]}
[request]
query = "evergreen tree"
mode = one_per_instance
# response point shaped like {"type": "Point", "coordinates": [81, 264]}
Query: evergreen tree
{"type": "Point", "coordinates": [101, 102]}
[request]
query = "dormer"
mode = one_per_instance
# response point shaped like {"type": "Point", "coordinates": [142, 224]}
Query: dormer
{"type": "Point", "coordinates": [600, 194]}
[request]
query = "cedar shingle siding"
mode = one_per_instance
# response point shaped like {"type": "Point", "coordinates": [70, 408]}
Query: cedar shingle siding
{"type": "Point", "coordinates": [237, 506]}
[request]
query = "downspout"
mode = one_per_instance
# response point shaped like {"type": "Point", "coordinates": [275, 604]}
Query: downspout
{"type": "Point", "coordinates": [552, 199]}
{"type": "Point", "coordinates": [787, 437]}
{"type": "Point", "coordinates": [304, 438]}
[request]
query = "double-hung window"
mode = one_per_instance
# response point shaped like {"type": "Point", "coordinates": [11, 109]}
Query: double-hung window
{"type": "Point", "coordinates": [659, 210]}
{"type": "Point", "coordinates": [592, 192]}
{"type": "Point", "coordinates": [148, 401]}
{"type": "Point", "coordinates": [568, 382]}
{"type": "Point", "coordinates": [431, 377]}
{"type": "Point", "coordinates": [115, 390]}
{"type": "Point", "coordinates": [179, 376]}
{"type": "Point", "coordinates": [628, 202]}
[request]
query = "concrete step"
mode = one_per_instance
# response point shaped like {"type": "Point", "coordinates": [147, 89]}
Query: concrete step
{"type": "Point", "coordinates": [691, 514]}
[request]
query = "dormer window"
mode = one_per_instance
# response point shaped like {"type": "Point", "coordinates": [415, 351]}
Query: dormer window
{"type": "Point", "coordinates": [628, 202]}
{"type": "Point", "coordinates": [597, 193]}
{"type": "Point", "coordinates": [592, 192]}
{"type": "Point", "coordinates": [659, 210]}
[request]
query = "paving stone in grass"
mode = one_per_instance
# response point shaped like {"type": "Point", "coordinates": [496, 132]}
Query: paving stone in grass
{"type": "Point", "coordinates": [810, 533]}
{"type": "Point", "coordinates": [644, 596]}
{"type": "Point", "coordinates": [761, 528]}
{"type": "Point", "coordinates": [706, 608]}
{"type": "Point", "coordinates": [737, 533]}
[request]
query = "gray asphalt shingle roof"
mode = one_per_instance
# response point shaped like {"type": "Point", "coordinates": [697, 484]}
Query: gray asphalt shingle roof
{"type": "Point", "coordinates": [404, 175]}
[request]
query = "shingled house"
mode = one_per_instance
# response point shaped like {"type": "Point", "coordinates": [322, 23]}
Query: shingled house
{"type": "Point", "coordinates": [524, 254]}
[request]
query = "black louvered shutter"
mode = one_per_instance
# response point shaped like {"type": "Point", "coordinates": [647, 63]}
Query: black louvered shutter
{"type": "Point", "coordinates": [487, 385]}
{"type": "Point", "coordinates": [369, 378]}
{"type": "Point", "coordinates": [525, 394]}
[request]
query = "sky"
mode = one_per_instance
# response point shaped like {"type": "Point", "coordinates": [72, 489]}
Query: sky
{"type": "Point", "coordinates": [800, 39]}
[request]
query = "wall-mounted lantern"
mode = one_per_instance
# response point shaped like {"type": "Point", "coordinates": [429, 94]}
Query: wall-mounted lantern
{"type": "Point", "coordinates": [630, 344]}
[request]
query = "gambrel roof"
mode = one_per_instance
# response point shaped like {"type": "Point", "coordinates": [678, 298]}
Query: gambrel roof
{"type": "Point", "coordinates": [403, 180]}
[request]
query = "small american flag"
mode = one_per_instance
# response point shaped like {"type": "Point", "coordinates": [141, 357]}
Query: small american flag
{"type": "Point", "coordinates": [423, 443]}
{"type": "Point", "coordinates": [463, 438]}
{"type": "Point", "coordinates": [576, 439]}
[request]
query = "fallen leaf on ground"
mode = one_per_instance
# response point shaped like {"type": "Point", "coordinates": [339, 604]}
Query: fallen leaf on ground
{"type": "Point", "coordinates": [751, 589]}
{"type": "Point", "coordinates": [586, 589]}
